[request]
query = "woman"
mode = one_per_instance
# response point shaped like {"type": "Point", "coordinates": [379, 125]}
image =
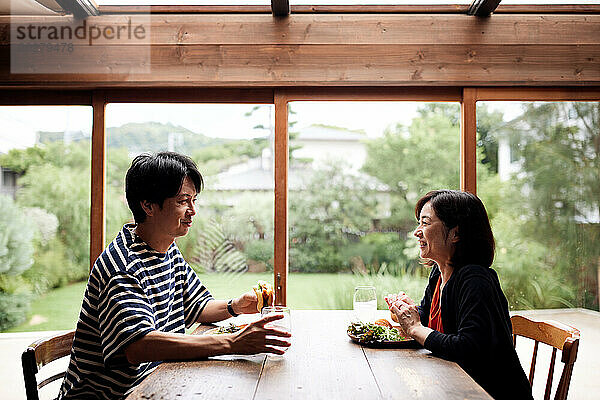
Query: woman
{"type": "Point", "coordinates": [463, 316]}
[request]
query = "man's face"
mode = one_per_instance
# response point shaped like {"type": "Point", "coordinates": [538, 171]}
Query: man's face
{"type": "Point", "coordinates": [175, 216]}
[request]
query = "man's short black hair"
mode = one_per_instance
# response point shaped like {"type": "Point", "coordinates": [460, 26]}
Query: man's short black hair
{"type": "Point", "coordinates": [156, 177]}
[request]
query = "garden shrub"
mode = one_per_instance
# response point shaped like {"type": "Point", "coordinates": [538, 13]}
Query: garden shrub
{"type": "Point", "coordinates": [262, 251]}
{"type": "Point", "coordinates": [16, 252]}
{"type": "Point", "coordinates": [52, 267]}
{"type": "Point", "coordinates": [16, 234]}
{"type": "Point", "coordinates": [380, 253]}
{"type": "Point", "coordinates": [13, 309]}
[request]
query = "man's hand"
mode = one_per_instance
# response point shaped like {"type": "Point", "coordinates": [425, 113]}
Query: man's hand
{"type": "Point", "coordinates": [245, 304]}
{"type": "Point", "coordinates": [257, 338]}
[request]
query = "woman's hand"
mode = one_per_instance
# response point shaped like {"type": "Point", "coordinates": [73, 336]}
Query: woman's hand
{"type": "Point", "coordinates": [410, 320]}
{"type": "Point", "coordinates": [253, 338]}
{"type": "Point", "coordinates": [401, 296]}
{"type": "Point", "coordinates": [408, 316]}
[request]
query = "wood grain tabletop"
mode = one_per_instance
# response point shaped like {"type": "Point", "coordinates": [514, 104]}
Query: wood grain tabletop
{"type": "Point", "coordinates": [322, 363]}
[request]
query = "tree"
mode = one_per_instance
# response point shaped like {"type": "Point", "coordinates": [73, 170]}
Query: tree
{"type": "Point", "coordinates": [558, 145]}
{"type": "Point", "coordinates": [412, 161]}
{"type": "Point", "coordinates": [488, 123]}
{"type": "Point", "coordinates": [16, 234]}
{"type": "Point", "coordinates": [332, 205]}
{"type": "Point", "coordinates": [66, 194]}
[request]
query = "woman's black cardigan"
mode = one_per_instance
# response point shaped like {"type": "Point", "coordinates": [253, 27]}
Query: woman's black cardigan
{"type": "Point", "coordinates": [477, 330]}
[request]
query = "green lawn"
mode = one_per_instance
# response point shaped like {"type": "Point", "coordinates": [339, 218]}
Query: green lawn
{"type": "Point", "coordinates": [59, 309]}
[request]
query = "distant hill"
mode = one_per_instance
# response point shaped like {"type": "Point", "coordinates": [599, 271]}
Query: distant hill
{"type": "Point", "coordinates": [139, 137]}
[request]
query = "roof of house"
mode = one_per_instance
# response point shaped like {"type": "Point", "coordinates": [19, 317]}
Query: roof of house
{"type": "Point", "coordinates": [330, 133]}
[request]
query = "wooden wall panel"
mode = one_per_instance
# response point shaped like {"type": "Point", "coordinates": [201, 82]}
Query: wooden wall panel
{"type": "Point", "coordinates": [252, 50]}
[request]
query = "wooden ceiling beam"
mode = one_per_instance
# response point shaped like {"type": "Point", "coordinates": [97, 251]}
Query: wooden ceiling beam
{"type": "Point", "coordinates": [483, 8]}
{"type": "Point", "coordinates": [353, 9]}
{"type": "Point", "coordinates": [254, 50]}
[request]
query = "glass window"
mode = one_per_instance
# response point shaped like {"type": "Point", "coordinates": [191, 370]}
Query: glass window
{"type": "Point", "coordinates": [538, 170]}
{"type": "Point", "coordinates": [44, 215]}
{"type": "Point", "coordinates": [231, 241]}
{"type": "Point", "coordinates": [356, 170]}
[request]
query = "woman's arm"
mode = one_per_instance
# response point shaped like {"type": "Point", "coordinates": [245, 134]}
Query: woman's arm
{"type": "Point", "coordinates": [476, 321]}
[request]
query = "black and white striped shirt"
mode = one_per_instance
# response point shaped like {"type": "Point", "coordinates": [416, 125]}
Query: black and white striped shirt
{"type": "Point", "coordinates": [132, 290]}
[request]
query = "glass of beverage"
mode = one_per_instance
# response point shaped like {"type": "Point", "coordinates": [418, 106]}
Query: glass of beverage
{"type": "Point", "coordinates": [284, 323]}
{"type": "Point", "coordinates": [365, 303]}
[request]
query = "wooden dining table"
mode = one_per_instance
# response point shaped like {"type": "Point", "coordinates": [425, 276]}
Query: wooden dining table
{"type": "Point", "coordinates": [322, 363]}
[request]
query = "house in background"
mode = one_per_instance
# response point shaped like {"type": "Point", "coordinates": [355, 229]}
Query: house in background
{"type": "Point", "coordinates": [324, 143]}
{"type": "Point", "coordinates": [312, 148]}
{"type": "Point", "coordinates": [17, 135]}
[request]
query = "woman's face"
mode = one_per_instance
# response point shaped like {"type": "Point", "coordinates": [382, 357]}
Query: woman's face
{"type": "Point", "coordinates": [435, 241]}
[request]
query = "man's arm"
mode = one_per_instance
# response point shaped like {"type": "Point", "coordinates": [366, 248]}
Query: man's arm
{"type": "Point", "coordinates": [216, 310]}
{"type": "Point", "coordinates": [254, 338]}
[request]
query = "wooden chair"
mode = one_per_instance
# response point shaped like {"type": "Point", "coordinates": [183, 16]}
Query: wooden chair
{"type": "Point", "coordinates": [560, 337]}
{"type": "Point", "coordinates": [40, 353]}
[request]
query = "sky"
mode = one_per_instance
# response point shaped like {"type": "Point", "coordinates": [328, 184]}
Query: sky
{"type": "Point", "coordinates": [214, 120]}
{"type": "Point", "coordinates": [18, 125]}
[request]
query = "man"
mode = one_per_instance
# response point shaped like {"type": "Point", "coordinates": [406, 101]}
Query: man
{"type": "Point", "coordinates": [141, 293]}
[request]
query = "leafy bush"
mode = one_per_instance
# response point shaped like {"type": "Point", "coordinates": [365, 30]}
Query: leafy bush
{"type": "Point", "coordinates": [526, 273]}
{"type": "Point", "coordinates": [214, 252]}
{"type": "Point", "coordinates": [13, 309]}
{"type": "Point", "coordinates": [377, 253]}
{"type": "Point", "coordinates": [332, 205]}
{"type": "Point", "coordinates": [260, 250]}
{"type": "Point", "coordinates": [16, 234]}
{"type": "Point", "coordinates": [52, 268]}
{"type": "Point", "coordinates": [69, 199]}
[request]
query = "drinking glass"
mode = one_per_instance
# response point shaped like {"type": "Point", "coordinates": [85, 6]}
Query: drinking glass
{"type": "Point", "coordinates": [284, 323]}
{"type": "Point", "coordinates": [365, 303]}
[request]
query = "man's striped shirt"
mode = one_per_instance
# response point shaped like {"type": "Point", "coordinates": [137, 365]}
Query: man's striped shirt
{"type": "Point", "coordinates": [132, 290]}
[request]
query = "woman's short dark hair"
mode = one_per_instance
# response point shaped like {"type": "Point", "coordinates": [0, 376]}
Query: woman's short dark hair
{"type": "Point", "coordinates": [466, 211]}
{"type": "Point", "coordinates": [156, 177]}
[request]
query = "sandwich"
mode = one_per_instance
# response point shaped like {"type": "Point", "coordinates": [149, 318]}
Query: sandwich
{"type": "Point", "coordinates": [383, 322]}
{"type": "Point", "coordinates": [264, 294]}
{"type": "Point", "coordinates": [390, 300]}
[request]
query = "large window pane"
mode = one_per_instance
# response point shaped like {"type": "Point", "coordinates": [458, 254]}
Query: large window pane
{"type": "Point", "coordinates": [231, 241]}
{"type": "Point", "coordinates": [538, 173]}
{"type": "Point", "coordinates": [356, 171]}
{"type": "Point", "coordinates": [44, 215]}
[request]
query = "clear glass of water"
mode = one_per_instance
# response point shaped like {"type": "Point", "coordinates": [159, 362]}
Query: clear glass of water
{"type": "Point", "coordinates": [284, 323]}
{"type": "Point", "coordinates": [365, 303]}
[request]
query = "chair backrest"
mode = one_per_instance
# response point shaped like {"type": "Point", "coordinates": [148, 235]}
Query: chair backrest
{"type": "Point", "coordinates": [40, 353]}
{"type": "Point", "coordinates": [560, 337]}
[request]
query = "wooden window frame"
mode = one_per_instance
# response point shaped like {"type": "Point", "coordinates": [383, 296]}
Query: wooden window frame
{"type": "Point", "coordinates": [280, 98]}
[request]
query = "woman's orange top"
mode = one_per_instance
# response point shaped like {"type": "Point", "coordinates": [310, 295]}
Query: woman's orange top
{"type": "Point", "coordinates": [435, 312]}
